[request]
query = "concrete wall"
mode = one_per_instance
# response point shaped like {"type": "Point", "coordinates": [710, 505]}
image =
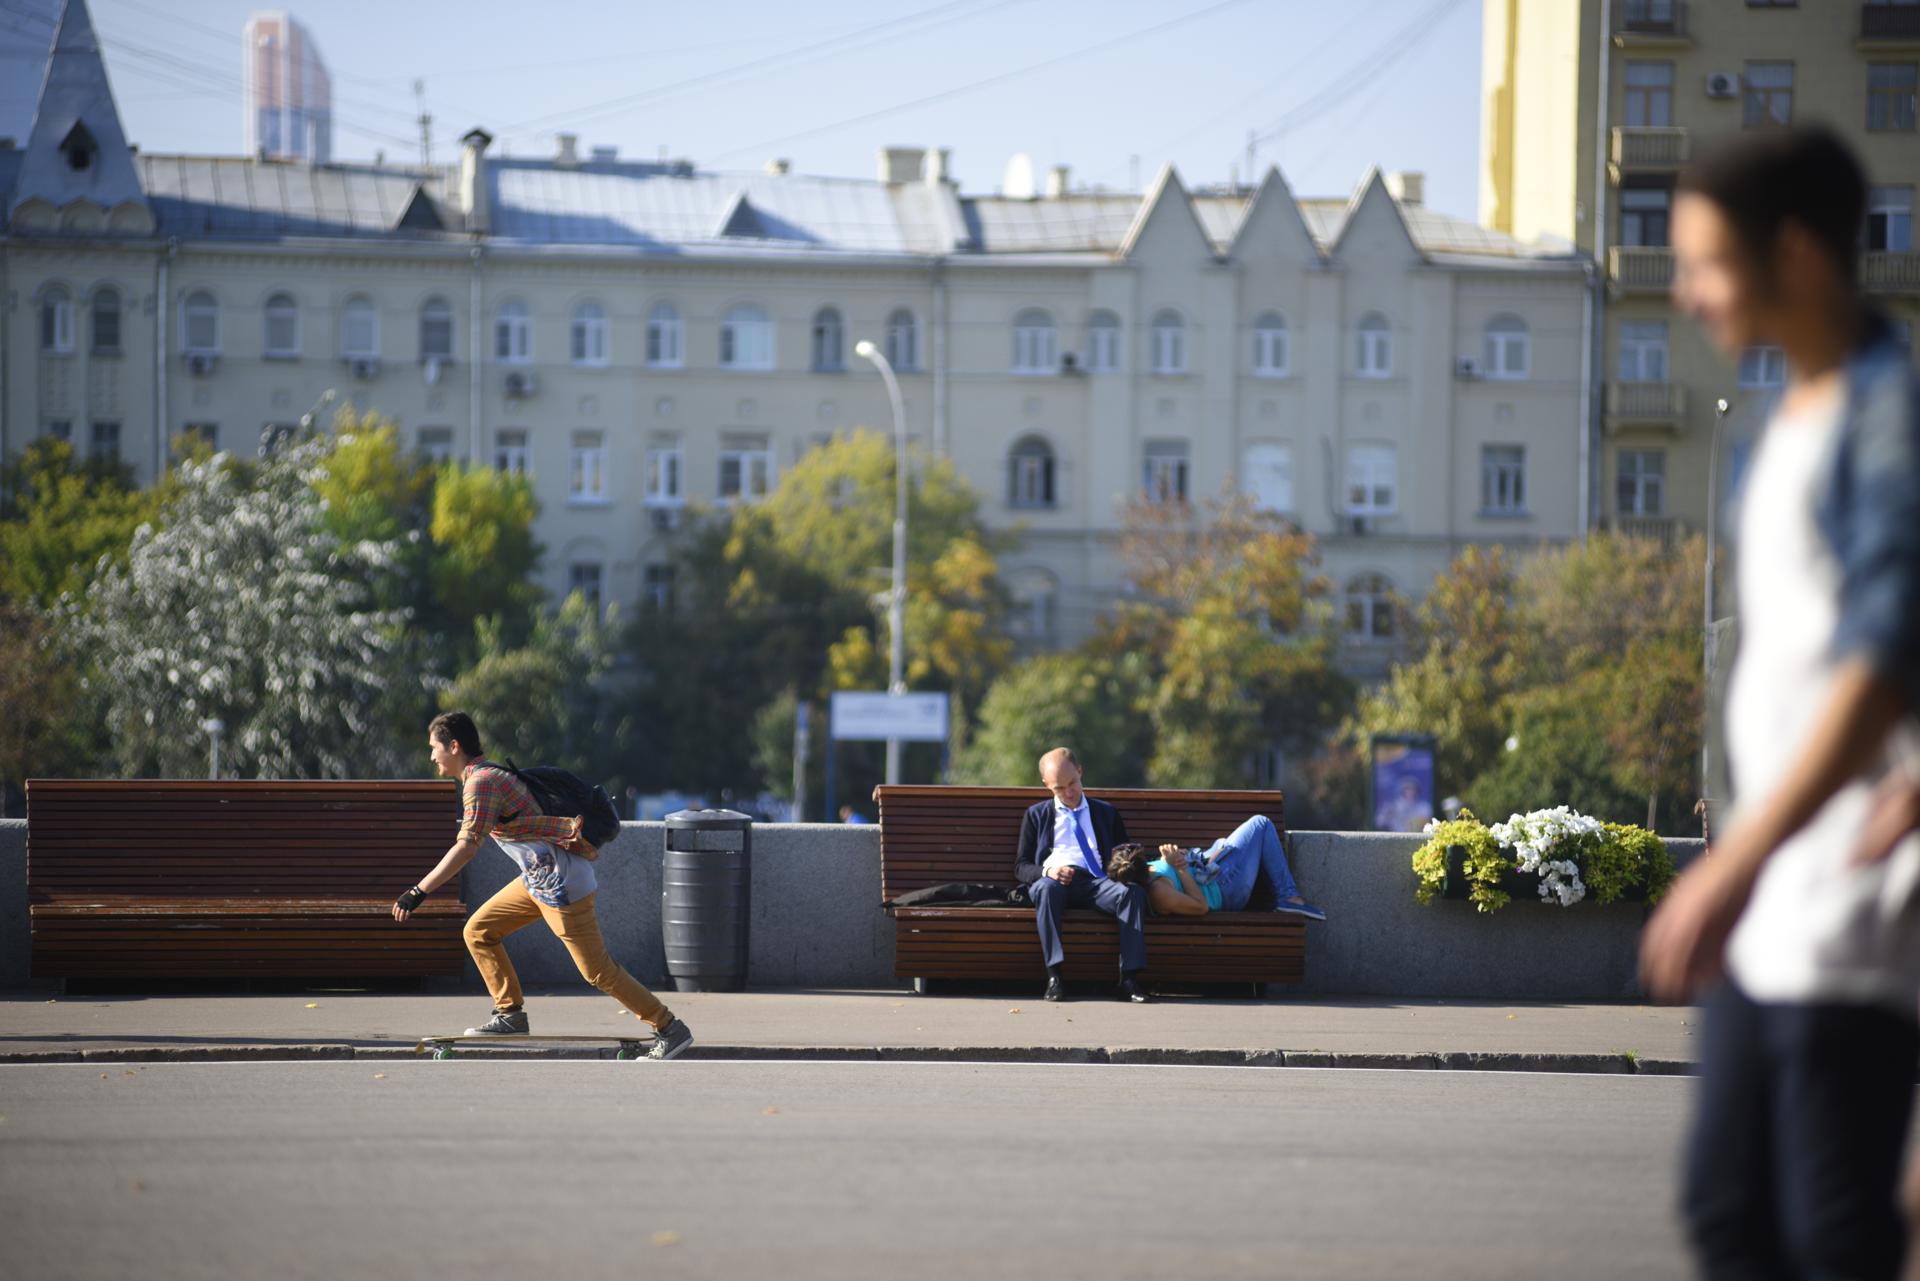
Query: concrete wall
{"type": "Point", "coordinates": [817, 921]}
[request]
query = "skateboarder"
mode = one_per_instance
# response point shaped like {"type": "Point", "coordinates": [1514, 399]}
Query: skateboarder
{"type": "Point", "coordinates": [556, 883]}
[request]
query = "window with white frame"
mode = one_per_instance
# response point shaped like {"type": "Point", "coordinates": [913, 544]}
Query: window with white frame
{"type": "Point", "coordinates": [1030, 473]}
{"type": "Point", "coordinates": [665, 346]}
{"type": "Point", "coordinates": [746, 470]}
{"type": "Point", "coordinates": [1503, 480]}
{"type": "Point", "coordinates": [435, 444]}
{"type": "Point", "coordinates": [200, 324]}
{"type": "Point", "coordinates": [56, 320]}
{"type": "Point", "coordinates": [1371, 604]}
{"type": "Point", "coordinates": [1892, 91]}
{"type": "Point", "coordinates": [1266, 476]}
{"type": "Point", "coordinates": [829, 342]}
{"type": "Point", "coordinates": [436, 330]}
{"type": "Point", "coordinates": [1036, 348]}
{"type": "Point", "coordinates": [1763, 368]}
{"type": "Point", "coordinates": [1643, 351]}
{"type": "Point", "coordinates": [1374, 356]}
{"type": "Point", "coordinates": [1649, 95]}
{"type": "Point", "coordinates": [1373, 480]}
{"type": "Point", "coordinates": [1509, 350]}
{"type": "Point", "coordinates": [1890, 219]}
{"type": "Point", "coordinates": [512, 334]}
{"type": "Point", "coordinates": [1034, 594]}
{"type": "Point", "coordinates": [746, 338]}
{"type": "Point", "coordinates": [903, 341]}
{"type": "Point", "coordinates": [665, 467]}
{"type": "Point", "coordinates": [106, 322]}
{"type": "Point", "coordinates": [280, 336]}
{"type": "Point", "coordinates": [510, 453]}
{"type": "Point", "coordinates": [587, 468]}
{"type": "Point", "coordinates": [587, 344]}
{"type": "Point", "coordinates": [1164, 471]}
{"type": "Point", "coordinates": [1103, 343]}
{"type": "Point", "coordinates": [104, 443]}
{"type": "Point", "coordinates": [1768, 94]}
{"type": "Point", "coordinates": [359, 328]}
{"type": "Point", "coordinates": [1271, 356]}
{"type": "Point", "coordinates": [584, 579]}
{"type": "Point", "coordinates": [1169, 342]}
{"type": "Point", "coordinates": [1640, 477]}
{"type": "Point", "coordinates": [656, 587]}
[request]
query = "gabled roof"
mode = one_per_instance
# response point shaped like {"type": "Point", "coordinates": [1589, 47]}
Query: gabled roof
{"type": "Point", "coordinates": [741, 219]}
{"type": "Point", "coordinates": [1372, 195]}
{"type": "Point", "coordinates": [1272, 202]}
{"type": "Point", "coordinates": [1169, 194]}
{"type": "Point", "coordinates": [76, 107]}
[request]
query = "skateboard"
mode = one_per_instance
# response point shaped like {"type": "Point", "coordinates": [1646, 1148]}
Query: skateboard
{"type": "Point", "coordinates": [444, 1047]}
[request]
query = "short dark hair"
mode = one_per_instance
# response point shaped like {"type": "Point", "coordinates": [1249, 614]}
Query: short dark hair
{"type": "Point", "coordinates": [1803, 174]}
{"type": "Point", "coordinates": [1127, 863]}
{"type": "Point", "coordinates": [456, 728]}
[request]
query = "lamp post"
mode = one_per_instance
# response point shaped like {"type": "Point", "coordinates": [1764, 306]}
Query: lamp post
{"type": "Point", "coordinates": [897, 598]}
{"type": "Point", "coordinates": [215, 727]}
{"type": "Point", "coordinates": [1707, 645]}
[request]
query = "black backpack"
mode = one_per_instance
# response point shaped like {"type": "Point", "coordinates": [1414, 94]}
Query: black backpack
{"type": "Point", "coordinates": [562, 794]}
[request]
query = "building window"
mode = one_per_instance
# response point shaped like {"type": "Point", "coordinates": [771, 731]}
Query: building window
{"type": "Point", "coordinates": [587, 468]}
{"type": "Point", "coordinates": [512, 334]}
{"type": "Point", "coordinates": [1270, 354]}
{"type": "Point", "coordinates": [583, 579]}
{"type": "Point", "coordinates": [665, 466]}
{"type": "Point", "coordinates": [436, 330]}
{"type": "Point", "coordinates": [1030, 473]}
{"type": "Point", "coordinates": [56, 320]}
{"type": "Point", "coordinates": [1032, 615]}
{"type": "Point", "coordinates": [359, 329]}
{"type": "Point", "coordinates": [1762, 368]}
{"type": "Point", "coordinates": [829, 342]}
{"type": "Point", "coordinates": [1169, 343]}
{"type": "Point", "coordinates": [200, 325]}
{"type": "Point", "coordinates": [1374, 358]}
{"type": "Point", "coordinates": [1768, 94]}
{"type": "Point", "coordinates": [192, 434]}
{"type": "Point", "coordinates": [1509, 350]}
{"type": "Point", "coordinates": [665, 349]}
{"type": "Point", "coordinates": [1641, 482]}
{"type": "Point", "coordinates": [746, 339]}
{"type": "Point", "coordinates": [1373, 482]}
{"type": "Point", "coordinates": [104, 445]}
{"type": "Point", "coordinates": [61, 429]}
{"type": "Point", "coordinates": [746, 471]}
{"type": "Point", "coordinates": [1266, 476]}
{"type": "Point", "coordinates": [1890, 219]}
{"type": "Point", "coordinates": [1643, 351]}
{"type": "Point", "coordinates": [903, 341]}
{"type": "Point", "coordinates": [657, 587]}
{"type": "Point", "coordinates": [1164, 471]}
{"type": "Point", "coordinates": [587, 344]}
{"type": "Point", "coordinates": [510, 452]}
{"type": "Point", "coordinates": [435, 444]}
{"type": "Point", "coordinates": [1649, 95]}
{"type": "Point", "coordinates": [1645, 216]}
{"type": "Point", "coordinates": [106, 322]}
{"type": "Point", "coordinates": [1103, 343]}
{"type": "Point", "coordinates": [1503, 480]}
{"type": "Point", "coordinates": [280, 338]}
{"type": "Point", "coordinates": [1035, 347]}
{"type": "Point", "coordinates": [1891, 90]}
{"type": "Point", "coordinates": [1370, 607]}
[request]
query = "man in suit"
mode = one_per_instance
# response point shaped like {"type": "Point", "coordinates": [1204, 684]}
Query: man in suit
{"type": "Point", "coordinates": [1064, 844]}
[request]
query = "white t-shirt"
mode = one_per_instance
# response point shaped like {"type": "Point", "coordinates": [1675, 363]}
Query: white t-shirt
{"type": "Point", "coordinates": [1816, 929]}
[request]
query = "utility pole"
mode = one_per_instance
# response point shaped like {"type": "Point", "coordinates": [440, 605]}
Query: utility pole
{"type": "Point", "coordinates": [425, 121]}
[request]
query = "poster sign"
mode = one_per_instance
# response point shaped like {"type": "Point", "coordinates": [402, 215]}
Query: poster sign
{"type": "Point", "coordinates": [1402, 782]}
{"type": "Point", "coordinates": [862, 716]}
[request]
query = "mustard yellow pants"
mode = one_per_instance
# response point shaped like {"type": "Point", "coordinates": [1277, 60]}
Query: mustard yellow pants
{"type": "Point", "coordinates": [574, 925]}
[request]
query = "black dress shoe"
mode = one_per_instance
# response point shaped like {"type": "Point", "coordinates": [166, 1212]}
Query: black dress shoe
{"type": "Point", "coordinates": [1131, 990]}
{"type": "Point", "coordinates": [1056, 990]}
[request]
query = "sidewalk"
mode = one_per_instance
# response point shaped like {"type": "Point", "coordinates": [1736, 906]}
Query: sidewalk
{"type": "Point", "coordinates": [1363, 1032]}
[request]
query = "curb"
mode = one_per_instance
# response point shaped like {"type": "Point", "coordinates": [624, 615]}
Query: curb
{"type": "Point", "coordinates": [1621, 1064]}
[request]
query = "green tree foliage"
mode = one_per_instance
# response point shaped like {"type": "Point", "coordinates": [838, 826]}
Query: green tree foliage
{"type": "Point", "coordinates": [63, 519]}
{"type": "Point", "coordinates": [1098, 704]}
{"type": "Point", "coordinates": [44, 729]}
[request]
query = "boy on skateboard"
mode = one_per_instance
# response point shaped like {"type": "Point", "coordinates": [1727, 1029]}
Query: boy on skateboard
{"type": "Point", "coordinates": [556, 883]}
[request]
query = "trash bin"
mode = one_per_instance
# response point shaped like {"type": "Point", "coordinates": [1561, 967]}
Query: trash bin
{"type": "Point", "coordinates": [704, 898]}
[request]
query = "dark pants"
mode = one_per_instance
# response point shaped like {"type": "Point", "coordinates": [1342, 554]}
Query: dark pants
{"type": "Point", "coordinates": [1126, 903]}
{"type": "Point", "coordinates": [1793, 1167]}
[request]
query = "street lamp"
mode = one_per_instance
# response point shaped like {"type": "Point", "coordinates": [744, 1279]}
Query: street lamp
{"type": "Point", "coordinates": [215, 727]}
{"type": "Point", "coordinates": [897, 599]}
{"type": "Point", "coordinates": [1707, 639]}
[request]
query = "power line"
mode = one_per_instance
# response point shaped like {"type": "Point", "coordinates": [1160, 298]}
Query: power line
{"type": "Point", "coordinates": [1364, 71]}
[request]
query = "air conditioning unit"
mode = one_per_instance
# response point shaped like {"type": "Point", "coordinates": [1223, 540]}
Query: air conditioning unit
{"type": "Point", "coordinates": [433, 366]}
{"type": "Point", "coordinates": [201, 363]}
{"type": "Point", "coordinates": [1466, 367]}
{"type": "Point", "coordinates": [1356, 525]}
{"type": "Point", "coordinates": [1723, 84]}
{"type": "Point", "coordinates": [1069, 362]}
{"type": "Point", "coordinates": [521, 384]}
{"type": "Point", "coordinates": [364, 367]}
{"type": "Point", "coordinates": [665, 519]}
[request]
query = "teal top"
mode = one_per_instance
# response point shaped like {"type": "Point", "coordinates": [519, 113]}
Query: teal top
{"type": "Point", "coordinates": [1210, 891]}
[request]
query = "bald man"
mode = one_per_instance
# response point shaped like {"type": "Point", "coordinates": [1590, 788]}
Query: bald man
{"type": "Point", "coordinates": [1064, 844]}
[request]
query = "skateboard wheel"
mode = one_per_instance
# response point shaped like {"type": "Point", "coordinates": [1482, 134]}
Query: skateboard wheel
{"type": "Point", "coordinates": [443, 1053]}
{"type": "Point", "coordinates": [623, 1054]}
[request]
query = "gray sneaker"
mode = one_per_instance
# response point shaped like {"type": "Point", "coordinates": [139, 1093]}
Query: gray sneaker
{"type": "Point", "coordinates": [670, 1042]}
{"type": "Point", "coordinates": [503, 1023]}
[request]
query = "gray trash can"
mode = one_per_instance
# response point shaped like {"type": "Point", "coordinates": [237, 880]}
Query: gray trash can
{"type": "Point", "coordinates": [704, 898]}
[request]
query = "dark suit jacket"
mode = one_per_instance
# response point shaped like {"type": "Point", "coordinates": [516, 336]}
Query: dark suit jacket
{"type": "Point", "coordinates": [1036, 836]}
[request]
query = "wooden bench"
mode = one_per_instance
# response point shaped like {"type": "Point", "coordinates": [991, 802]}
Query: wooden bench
{"type": "Point", "coordinates": [162, 879]}
{"type": "Point", "coordinates": [936, 835]}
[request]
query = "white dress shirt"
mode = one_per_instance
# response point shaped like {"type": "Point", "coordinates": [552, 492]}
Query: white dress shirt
{"type": "Point", "coordinates": [1066, 847]}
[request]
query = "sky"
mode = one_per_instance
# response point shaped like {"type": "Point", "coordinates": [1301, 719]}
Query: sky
{"type": "Point", "coordinates": [1111, 88]}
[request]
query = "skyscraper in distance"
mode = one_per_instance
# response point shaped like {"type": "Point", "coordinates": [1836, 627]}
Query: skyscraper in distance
{"type": "Point", "coordinates": [287, 101]}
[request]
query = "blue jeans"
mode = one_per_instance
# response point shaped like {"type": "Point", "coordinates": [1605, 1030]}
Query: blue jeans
{"type": "Point", "coordinates": [1254, 844]}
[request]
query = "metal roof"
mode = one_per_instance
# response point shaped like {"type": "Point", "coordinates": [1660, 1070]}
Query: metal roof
{"type": "Point", "coordinates": [216, 196]}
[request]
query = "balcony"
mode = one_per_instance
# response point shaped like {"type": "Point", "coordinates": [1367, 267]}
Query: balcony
{"type": "Point", "coordinates": [1640, 269]}
{"type": "Point", "coordinates": [1884, 26]}
{"type": "Point", "coordinates": [1883, 272]}
{"type": "Point", "coordinates": [1664, 530]}
{"type": "Point", "coordinates": [1647, 149]}
{"type": "Point", "coordinates": [1660, 405]}
{"type": "Point", "coordinates": [1651, 23]}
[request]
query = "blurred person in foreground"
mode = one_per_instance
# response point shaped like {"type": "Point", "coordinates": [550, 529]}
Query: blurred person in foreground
{"type": "Point", "coordinates": [1807, 956]}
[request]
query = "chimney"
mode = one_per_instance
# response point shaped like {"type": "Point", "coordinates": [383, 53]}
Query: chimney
{"type": "Point", "coordinates": [473, 179]}
{"type": "Point", "coordinates": [569, 155]}
{"type": "Point", "coordinates": [779, 167]}
{"type": "Point", "coordinates": [938, 165]}
{"type": "Point", "coordinates": [1057, 182]}
{"type": "Point", "coordinates": [1407, 186]}
{"type": "Point", "coordinates": [900, 164]}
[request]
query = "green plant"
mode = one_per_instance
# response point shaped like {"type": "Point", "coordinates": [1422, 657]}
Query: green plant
{"type": "Point", "coordinates": [1623, 857]}
{"type": "Point", "coordinates": [1484, 867]}
{"type": "Point", "coordinates": [1611, 859]}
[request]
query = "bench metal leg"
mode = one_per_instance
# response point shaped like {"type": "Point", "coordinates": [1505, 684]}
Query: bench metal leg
{"type": "Point", "coordinates": [921, 987]}
{"type": "Point", "coordinates": [1259, 991]}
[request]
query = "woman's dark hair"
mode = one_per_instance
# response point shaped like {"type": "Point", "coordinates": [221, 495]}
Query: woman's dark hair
{"type": "Point", "coordinates": [1127, 863]}
{"type": "Point", "coordinates": [456, 728]}
{"type": "Point", "coordinates": [1805, 174]}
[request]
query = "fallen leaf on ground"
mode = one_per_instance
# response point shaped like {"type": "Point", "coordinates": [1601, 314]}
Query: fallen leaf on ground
{"type": "Point", "coordinates": [770, 1112]}
{"type": "Point", "coordinates": [313, 1005]}
{"type": "Point", "coordinates": [1513, 1016]}
{"type": "Point", "coordinates": [379, 1076]}
{"type": "Point", "coordinates": [103, 1076]}
{"type": "Point", "coordinates": [666, 1238]}
{"type": "Point", "coordinates": [1014, 1010]}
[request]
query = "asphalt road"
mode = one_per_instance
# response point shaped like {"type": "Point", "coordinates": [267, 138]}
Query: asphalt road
{"type": "Point", "coordinates": [831, 1170]}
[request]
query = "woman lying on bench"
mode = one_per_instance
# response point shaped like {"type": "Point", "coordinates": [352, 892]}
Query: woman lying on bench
{"type": "Point", "coordinates": [1193, 882]}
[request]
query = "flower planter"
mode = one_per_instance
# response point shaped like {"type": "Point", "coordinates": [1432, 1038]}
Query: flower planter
{"type": "Point", "coordinates": [1522, 886]}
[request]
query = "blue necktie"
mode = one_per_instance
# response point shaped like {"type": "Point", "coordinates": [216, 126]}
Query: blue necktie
{"type": "Point", "coordinates": [1093, 860]}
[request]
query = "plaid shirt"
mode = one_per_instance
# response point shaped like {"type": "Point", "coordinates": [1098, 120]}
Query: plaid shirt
{"type": "Point", "coordinates": [488, 791]}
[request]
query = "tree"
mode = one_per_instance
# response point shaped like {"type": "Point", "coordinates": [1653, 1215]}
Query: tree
{"type": "Point", "coordinates": [45, 730]}
{"type": "Point", "coordinates": [64, 520]}
{"type": "Point", "coordinates": [1096, 705]}
{"type": "Point", "coordinates": [483, 550]}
